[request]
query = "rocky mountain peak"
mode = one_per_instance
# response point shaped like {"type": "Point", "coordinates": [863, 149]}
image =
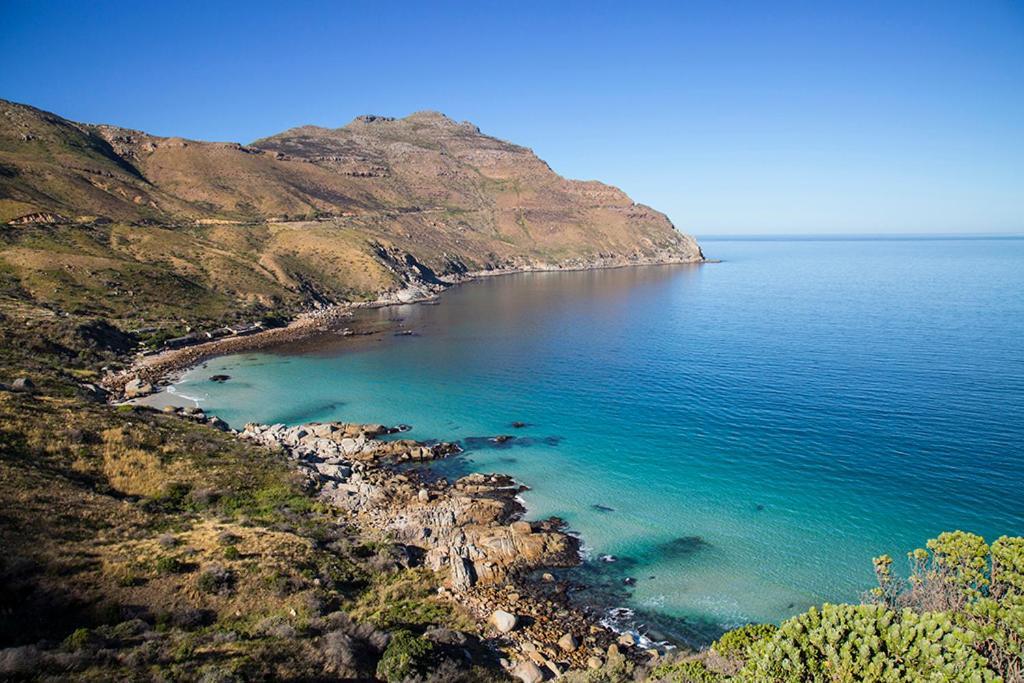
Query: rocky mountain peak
{"type": "Point", "coordinates": [425, 184]}
{"type": "Point", "coordinates": [372, 118]}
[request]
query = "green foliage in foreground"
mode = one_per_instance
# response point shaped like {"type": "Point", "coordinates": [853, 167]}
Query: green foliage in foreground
{"type": "Point", "coordinates": [959, 617]}
{"type": "Point", "coordinates": [405, 656]}
{"type": "Point", "coordinates": [688, 671]}
{"type": "Point", "coordinates": [867, 643]}
{"type": "Point", "coordinates": [736, 642]}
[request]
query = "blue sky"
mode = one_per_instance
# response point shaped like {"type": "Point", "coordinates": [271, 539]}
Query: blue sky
{"type": "Point", "coordinates": [732, 117]}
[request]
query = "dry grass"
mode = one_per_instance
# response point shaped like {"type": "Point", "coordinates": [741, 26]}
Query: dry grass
{"type": "Point", "coordinates": [108, 517]}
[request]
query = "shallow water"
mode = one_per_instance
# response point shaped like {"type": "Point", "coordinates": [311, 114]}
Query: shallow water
{"type": "Point", "coordinates": [751, 432]}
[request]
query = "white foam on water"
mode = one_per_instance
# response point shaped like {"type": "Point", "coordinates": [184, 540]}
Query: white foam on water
{"type": "Point", "coordinates": [172, 390]}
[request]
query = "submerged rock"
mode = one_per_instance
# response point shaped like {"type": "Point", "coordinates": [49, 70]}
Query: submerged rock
{"type": "Point", "coordinates": [682, 546]}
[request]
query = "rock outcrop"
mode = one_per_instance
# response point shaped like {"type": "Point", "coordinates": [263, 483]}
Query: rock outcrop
{"type": "Point", "coordinates": [471, 530]}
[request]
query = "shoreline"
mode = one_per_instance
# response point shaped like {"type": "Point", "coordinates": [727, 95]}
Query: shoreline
{"type": "Point", "coordinates": [155, 369]}
{"type": "Point", "coordinates": [521, 591]}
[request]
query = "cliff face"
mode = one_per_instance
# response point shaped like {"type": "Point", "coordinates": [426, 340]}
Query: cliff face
{"type": "Point", "coordinates": [317, 214]}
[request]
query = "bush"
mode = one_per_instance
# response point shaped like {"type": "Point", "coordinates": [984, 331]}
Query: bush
{"type": "Point", "coordinates": [980, 588]}
{"type": "Point", "coordinates": [231, 553]}
{"type": "Point", "coordinates": [78, 640]}
{"type": "Point", "coordinates": [19, 661]}
{"type": "Point", "coordinates": [406, 655]}
{"type": "Point", "coordinates": [840, 643]}
{"type": "Point", "coordinates": [169, 565]}
{"type": "Point", "coordinates": [1008, 566]}
{"type": "Point", "coordinates": [688, 671]}
{"type": "Point", "coordinates": [959, 560]}
{"type": "Point", "coordinates": [736, 642]}
{"type": "Point", "coordinates": [216, 579]}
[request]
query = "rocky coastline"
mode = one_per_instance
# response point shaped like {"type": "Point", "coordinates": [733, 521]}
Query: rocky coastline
{"type": "Point", "coordinates": [471, 532]}
{"type": "Point", "coordinates": [147, 372]}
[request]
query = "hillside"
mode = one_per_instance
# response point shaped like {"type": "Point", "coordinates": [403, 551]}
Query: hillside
{"type": "Point", "coordinates": [142, 545]}
{"type": "Point", "coordinates": [312, 215]}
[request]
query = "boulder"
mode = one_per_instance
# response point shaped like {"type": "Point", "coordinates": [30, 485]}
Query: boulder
{"type": "Point", "coordinates": [374, 430]}
{"type": "Point", "coordinates": [627, 639]}
{"type": "Point", "coordinates": [521, 528]}
{"type": "Point", "coordinates": [462, 577]}
{"type": "Point", "coordinates": [332, 471]}
{"type": "Point", "coordinates": [93, 392]}
{"type": "Point", "coordinates": [136, 388]}
{"type": "Point", "coordinates": [322, 431]}
{"type": "Point", "coordinates": [528, 672]}
{"type": "Point", "coordinates": [503, 621]}
{"type": "Point", "coordinates": [217, 423]}
{"type": "Point", "coordinates": [568, 642]}
{"type": "Point", "coordinates": [23, 384]}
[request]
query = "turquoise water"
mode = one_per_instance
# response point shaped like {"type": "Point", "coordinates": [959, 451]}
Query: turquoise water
{"type": "Point", "coordinates": [754, 431]}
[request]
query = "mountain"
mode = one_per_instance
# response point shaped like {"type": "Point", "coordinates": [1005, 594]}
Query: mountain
{"type": "Point", "coordinates": [311, 215]}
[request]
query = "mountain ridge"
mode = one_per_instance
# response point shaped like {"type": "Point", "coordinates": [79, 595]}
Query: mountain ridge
{"type": "Point", "coordinates": [306, 217]}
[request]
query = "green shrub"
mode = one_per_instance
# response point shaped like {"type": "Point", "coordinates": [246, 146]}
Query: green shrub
{"type": "Point", "coordinates": [689, 671]}
{"type": "Point", "coordinates": [78, 640]}
{"type": "Point", "coordinates": [216, 579]}
{"type": "Point", "coordinates": [406, 655]}
{"type": "Point", "coordinates": [736, 642]}
{"type": "Point", "coordinates": [169, 565]}
{"type": "Point", "coordinates": [962, 561]}
{"type": "Point", "coordinates": [1008, 566]}
{"type": "Point", "coordinates": [846, 643]}
{"type": "Point", "coordinates": [231, 553]}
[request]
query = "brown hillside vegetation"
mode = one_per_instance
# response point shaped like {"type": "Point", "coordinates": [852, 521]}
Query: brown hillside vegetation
{"type": "Point", "coordinates": [311, 215]}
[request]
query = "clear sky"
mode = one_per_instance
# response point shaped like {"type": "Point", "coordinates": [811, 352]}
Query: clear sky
{"type": "Point", "coordinates": [732, 117]}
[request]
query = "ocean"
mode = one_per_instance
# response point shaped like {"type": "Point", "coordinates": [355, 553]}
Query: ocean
{"type": "Point", "coordinates": [741, 437]}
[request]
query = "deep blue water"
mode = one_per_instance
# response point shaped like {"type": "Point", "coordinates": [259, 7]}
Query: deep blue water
{"type": "Point", "coordinates": [759, 428]}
